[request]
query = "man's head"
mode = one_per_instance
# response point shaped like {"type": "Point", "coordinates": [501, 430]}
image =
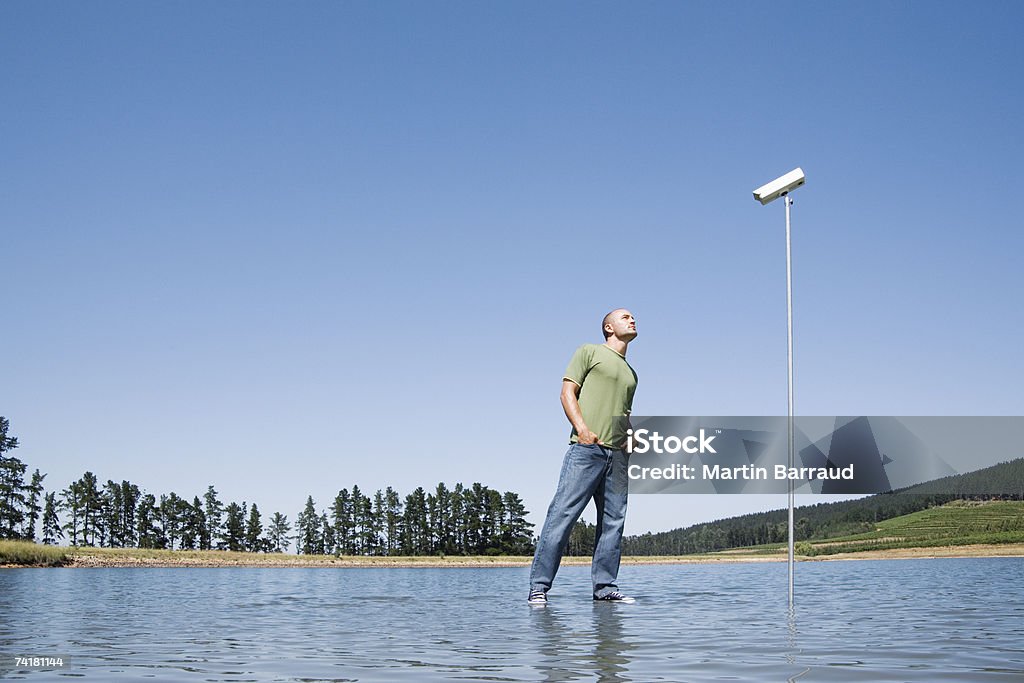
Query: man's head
{"type": "Point", "coordinates": [619, 324]}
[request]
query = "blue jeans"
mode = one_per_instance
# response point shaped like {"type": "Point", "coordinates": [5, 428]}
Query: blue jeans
{"type": "Point", "coordinates": [590, 471]}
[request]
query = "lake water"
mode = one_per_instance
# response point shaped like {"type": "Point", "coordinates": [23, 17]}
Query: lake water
{"type": "Point", "coordinates": [909, 620]}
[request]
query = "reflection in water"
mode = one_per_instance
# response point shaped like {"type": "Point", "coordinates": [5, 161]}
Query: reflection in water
{"type": "Point", "coordinates": [793, 649]}
{"type": "Point", "coordinates": [572, 649]}
{"type": "Point", "coordinates": [557, 643]}
{"type": "Point", "coordinates": [612, 646]}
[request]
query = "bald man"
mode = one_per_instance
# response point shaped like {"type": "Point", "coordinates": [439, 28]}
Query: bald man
{"type": "Point", "coordinates": [597, 396]}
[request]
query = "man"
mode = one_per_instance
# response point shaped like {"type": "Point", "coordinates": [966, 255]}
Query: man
{"type": "Point", "coordinates": [597, 396]}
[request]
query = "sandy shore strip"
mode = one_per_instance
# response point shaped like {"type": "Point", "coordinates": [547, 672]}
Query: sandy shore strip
{"type": "Point", "coordinates": [89, 558]}
{"type": "Point", "coordinates": [341, 562]}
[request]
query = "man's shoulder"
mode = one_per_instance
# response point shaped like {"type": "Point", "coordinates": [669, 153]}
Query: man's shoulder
{"type": "Point", "coordinates": [586, 350]}
{"type": "Point", "coordinates": [580, 363]}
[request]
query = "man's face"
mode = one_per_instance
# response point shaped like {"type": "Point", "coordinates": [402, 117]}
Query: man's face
{"type": "Point", "coordinates": [623, 325]}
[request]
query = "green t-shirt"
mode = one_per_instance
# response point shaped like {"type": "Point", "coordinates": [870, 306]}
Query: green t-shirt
{"type": "Point", "coordinates": [607, 383]}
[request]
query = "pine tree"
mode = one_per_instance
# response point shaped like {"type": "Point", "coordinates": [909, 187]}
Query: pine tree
{"type": "Point", "coordinates": [368, 528]}
{"type": "Point", "coordinates": [7, 443]}
{"type": "Point", "coordinates": [475, 502]}
{"type": "Point", "coordinates": [277, 534]}
{"type": "Point", "coordinates": [415, 528]}
{"type": "Point", "coordinates": [196, 532]}
{"type": "Point", "coordinates": [357, 507]}
{"type": "Point", "coordinates": [110, 512]}
{"type": "Point", "coordinates": [51, 524]}
{"type": "Point", "coordinates": [516, 532]}
{"type": "Point", "coordinates": [493, 514]}
{"type": "Point", "coordinates": [130, 495]}
{"type": "Point", "coordinates": [12, 485]}
{"type": "Point", "coordinates": [193, 523]}
{"type": "Point", "coordinates": [83, 500]}
{"type": "Point", "coordinates": [33, 507]}
{"type": "Point", "coordinates": [308, 536]}
{"type": "Point", "coordinates": [234, 527]}
{"type": "Point", "coordinates": [12, 496]}
{"type": "Point", "coordinates": [70, 502]}
{"type": "Point", "coordinates": [441, 520]}
{"type": "Point", "coordinates": [146, 529]}
{"type": "Point", "coordinates": [458, 519]}
{"type": "Point", "coordinates": [377, 523]}
{"type": "Point", "coordinates": [214, 512]}
{"type": "Point", "coordinates": [392, 520]}
{"type": "Point", "coordinates": [171, 516]}
{"type": "Point", "coordinates": [253, 531]}
{"type": "Point", "coordinates": [92, 521]}
{"type": "Point", "coordinates": [341, 511]}
{"type": "Point", "coordinates": [326, 535]}
{"type": "Point", "coordinates": [432, 522]}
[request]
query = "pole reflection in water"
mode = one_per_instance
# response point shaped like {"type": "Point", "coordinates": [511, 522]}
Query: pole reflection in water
{"type": "Point", "coordinates": [793, 647]}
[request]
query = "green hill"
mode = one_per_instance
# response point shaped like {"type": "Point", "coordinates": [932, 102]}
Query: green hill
{"type": "Point", "coordinates": [862, 523]}
{"type": "Point", "coordinates": [960, 522]}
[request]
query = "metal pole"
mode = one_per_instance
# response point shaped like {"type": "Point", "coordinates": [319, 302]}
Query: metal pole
{"type": "Point", "coordinates": [789, 321]}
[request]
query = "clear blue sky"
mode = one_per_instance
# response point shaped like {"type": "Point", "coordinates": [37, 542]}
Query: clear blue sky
{"type": "Point", "coordinates": [288, 248]}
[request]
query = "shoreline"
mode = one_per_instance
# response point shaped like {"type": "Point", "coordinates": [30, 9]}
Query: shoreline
{"type": "Point", "coordinates": [101, 558]}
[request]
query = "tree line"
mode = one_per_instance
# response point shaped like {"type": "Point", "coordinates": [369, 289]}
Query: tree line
{"type": "Point", "coordinates": [462, 520]}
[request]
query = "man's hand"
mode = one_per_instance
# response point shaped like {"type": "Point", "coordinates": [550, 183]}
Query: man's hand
{"type": "Point", "coordinates": [587, 437]}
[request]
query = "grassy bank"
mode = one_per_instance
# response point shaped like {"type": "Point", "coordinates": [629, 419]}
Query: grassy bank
{"type": "Point", "coordinates": [26, 553]}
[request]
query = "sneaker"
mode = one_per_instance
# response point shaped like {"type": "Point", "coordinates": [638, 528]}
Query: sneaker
{"type": "Point", "coordinates": [615, 596]}
{"type": "Point", "coordinates": [537, 597]}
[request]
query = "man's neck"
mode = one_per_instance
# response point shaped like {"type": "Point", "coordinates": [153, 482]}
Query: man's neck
{"type": "Point", "coordinates": [617, 345]}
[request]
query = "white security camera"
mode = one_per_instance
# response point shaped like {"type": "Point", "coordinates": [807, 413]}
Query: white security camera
{"type": "Point", "coordinates": [779, 187]}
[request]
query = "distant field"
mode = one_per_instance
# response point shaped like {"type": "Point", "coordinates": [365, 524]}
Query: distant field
{"type": "Point", "coordinates": [955, 524]}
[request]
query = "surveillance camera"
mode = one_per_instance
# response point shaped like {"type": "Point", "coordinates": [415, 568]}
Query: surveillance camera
{"type": "Point", "coordinates": [779, 187]}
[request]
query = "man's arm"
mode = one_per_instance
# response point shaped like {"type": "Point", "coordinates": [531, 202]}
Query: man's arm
{"type": "Point", "coordinates": [571, 406]}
